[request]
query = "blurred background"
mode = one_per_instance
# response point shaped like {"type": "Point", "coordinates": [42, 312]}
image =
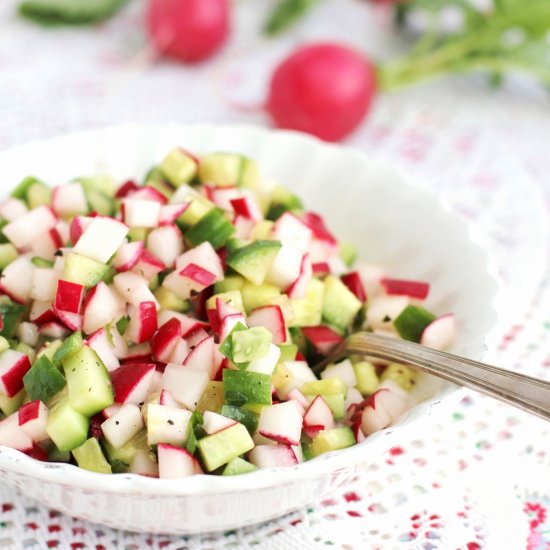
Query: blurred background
{"type": "Point", "coordinates": [452, 92]}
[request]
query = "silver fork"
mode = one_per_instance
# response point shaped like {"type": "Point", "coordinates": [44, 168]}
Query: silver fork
{"type": "Point", "coordinates": [524, 392]}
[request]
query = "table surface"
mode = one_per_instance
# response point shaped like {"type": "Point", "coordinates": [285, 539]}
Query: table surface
{"type": "Point", "coordinates": [478, 476]}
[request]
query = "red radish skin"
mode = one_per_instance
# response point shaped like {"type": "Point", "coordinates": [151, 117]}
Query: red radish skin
{"type": "Point", "coordinates": [439, 334]}
{"type": "Point", "coordinates": [319, 414]}
{"type": "Point", "coordinates": [165, 340]}
{"type": "Point", "coordinates": [323, 338]}
{"type": "Point", "coordinates": [68, 296]}
{"type": "Point", "coordinates": [13, 366]}
{"type": "Point", "coordinates": [247, 207]}
{"type": "Point", "coordinates": [325, 89]}
{"type": "Point", "coordinates": [270, 317]}
{"type": "Point", "coordinates": [131, 382]}
{"type": "Point", "coordinates": [400, 287]}
{"type": "Point", "coordinates": [171, 212]}
{"type": "Point", "coordinates": [353, 282]}
{"type": "Point", "coordinates": [128, 255]}
{"type": "Point", "coordinates": [149, 194]}
{"type": "Point", "coordinates": [320, 269]}
{"type": "Point", "coordinates": [198, 274]}
{"type": "Point", "coordinates": [188, 30]}
{"type": "Point", "coordinates": [126, 188]}
{"type": "Point", "coordinates": [317, 225]}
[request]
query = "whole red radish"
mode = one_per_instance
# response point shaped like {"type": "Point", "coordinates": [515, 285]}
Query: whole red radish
{"type": "Point", "coordinates": [325, 89]}
{"type": "Point", "coordinates": [188, 30]}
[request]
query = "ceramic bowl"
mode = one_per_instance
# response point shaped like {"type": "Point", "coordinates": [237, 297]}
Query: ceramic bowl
{"type": "Point", "coordinates": [369, 204]}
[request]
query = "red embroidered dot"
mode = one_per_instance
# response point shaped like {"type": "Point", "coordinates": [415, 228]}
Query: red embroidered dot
{"type": "Point", "coordinates": [352, 496]}
{"type": "Point", "coordinates": [295, 522]}
{"type": "Point", "coordinates": [415, 517]}
{"type": "Point", "coordinates": [52, 543]}
{"type": "Point", "coordinates": [473, 546]}
{"type": "Point", "coordinates": [353, 514]}
{"type": "Point", "coordinates": [77, 545]}
{"type": "Point", "coordinates": [7, 507]}
{"type": "Point", "coordinates": [31, 525]}
{"type": "Point", "coordinates": [54, 528]}
{"type": "Point", "coordinates": [396, 451]}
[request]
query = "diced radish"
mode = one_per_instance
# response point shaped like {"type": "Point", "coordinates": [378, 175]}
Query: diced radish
{"type": "Point", "coordinates": [204, 256]}
{"type": "Point", "coordinates": [272, 456]}
{"type": "Point", "coordinates": [353, 397]}
{"type": "Point", "coordinates": [371, 275]}
{"type": "Point", "coordinates": [181, 351]}
{"type": "Point", "coordinates": [400, 287]}
{"type": "Point", "coordinates": [323, 338]}
{"type": "Point", "coordinates": [16, 279]}
{"type": "Point", "coordinates": [374, 417]}
{"type": "Point", "coordinates": [28, 333]}
{"type": "Point", "coordinates": [140, 353]}
{"type": "Point", "coordinates": [247, 207]}
{"type": "Point", "coordinates": [132, 382]}
{"type": "Point", "coordinates": [79, 224]}
{"type": "Point", "coordinates": [41, 312]}
{"type": "Point", "coordinates": [100, 308]}
{"type": "Point", "coordinates": [126, 188]}
{"type": "Point", "coordinates": [13, 366]}
{"type": "Point", "coordinates": [128, 255]}
{"type": "Point", "coordinates": [196, 337]}
{"type": "Point", "coordinates": [396, 400]}
{"type": "Point", "coordinates": [143, 322]}
{"type": "Point", "coordinates": [51, 329]}
{"type": "Point", "coordinates": [223, 196]}
{"type": "Point", "coordinates": [123, 425]}
{"type": "Point", "coordinates": [286, 267]}
{"type": "Point", "coordinates": [140, 213]}
{"type": "Point", "coordinates": [175, 462]}
{"type": "Point", "coordinates": [202, 357]}
{"type": "Point", "coordinates": [167, 399]}
{"type": "Point", "coordinates": [25, 229]}
{"type": "Point", "coordinates": [439, 334]}
{"type": "Point", "coordinates": [120, 346]}
{"type": "Point", "coordinates": [166, 424]}
{"type": "Point", "coordinates": [165, 340]}
{"type": "Point", "coordinates": [189, 325]}
{"type": "Point", "coordinates": [101, 239]}
{"type": "Point", "coordinates": [290, 229]}
{"type": "Point", "coordinates": [143, 464]}
{"type": "Point", "coordinates": [101, 344]}
{"type": "Point", "coordinates": [319, 229]}
{"type": "Point", "coordinates": [319, 414]}
{"type": "Point", "coordinates": [358, 431]}
{"type": "Point", "coordinates": [312, 431]}
{"type": "Point", "coordinates": [320, 268]}
{"type": "Point", "coordinates": [343, 370]}
{"type": "Point", "coordinates": [73, 321]}
{"type": "Point", "coordinates": [46, 245]}
{"type": "Point", "coordinates": [243, 227]}
{"type": "Point", "coordinates": [299, 287]}
{"type": "Point", "coordinates": [32, 419]}
{"type": "Point", "coordinates": [296, 373]}
{"type": "Point", "coordinates": [44, 284]}
{"type": "Point", "coordinates": [133, 288]}
{"type": "Point", "coordinates": [299, 397]}
{"type": "Point", "coordinates": [185, 384]}
{"type": "Point", "coordinates": [282, 423]}
{"type": "Point", "coordinates": [229, 323]}
{"type": "Point", "coordinates": [383, 310]}
{"type": "Point", "coordinates": [270, 317]}
{"type": "Point", "coordinates": [69, 200]}
{"type": "Point", "coordinates": [63, 232]}
{"type": "Point", "coordinates": [148, 265]}
{"type": "Point", "coordinates": [166, 243]}
{"type": "Point", "coordinates": [68, 296]}
{"type": "Point", "coordinates": [148, 193]}
{"type": "Point", "coordinates": [266, 364]}
{"type": "Point", "coordinates": [11, 434]}
{"type": "Point", "coordinates": [214, 422]}
{"type": "Point", "coordinates": [169, 213]}
{"type": "Point", "coordinates": [353, 282]}
{"type": "Point", "coordinates": [12, 208]}
{"type": "Point", "coordinates": [191, 278]}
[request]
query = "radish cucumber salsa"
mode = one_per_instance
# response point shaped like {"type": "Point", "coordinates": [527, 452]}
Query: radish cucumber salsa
{"type": "Point", "coordinates": [169, 328]}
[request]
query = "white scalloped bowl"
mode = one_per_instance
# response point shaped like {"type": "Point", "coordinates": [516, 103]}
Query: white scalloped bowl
{"type": "Point", "coordinates": [366, 203]}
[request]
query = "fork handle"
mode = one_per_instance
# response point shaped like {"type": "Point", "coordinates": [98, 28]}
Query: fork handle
{"type": "Point", "coordinates": [526, 393]}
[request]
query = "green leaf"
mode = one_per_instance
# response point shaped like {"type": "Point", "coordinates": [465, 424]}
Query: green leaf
{"type": "Point", "coordinates": [286, 13]}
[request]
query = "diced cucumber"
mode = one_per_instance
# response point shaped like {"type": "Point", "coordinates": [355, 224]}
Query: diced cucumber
{"type": "Point", "coordinates": [41, 262]}
{"type": "Point", "coordinates": [102, 184]}
{"type": "Point", "coordinates": [262, 230]}
{"type": "Point", "coordinates": [308, 311]}
{"type": "Point", "coordinates": [70, 345]}
{"type": "Point", "coordinates": [178, 167]}
{"type": "Point", "coordinates": [254, 260]}
{"type": "Point", "coordinates": [43, 380]}
{"type": "Point", "coordinates": [4, 344]}
{"type": "Point", "coordinates": [232, 297]}
{"type": "Point", "coordinates": [11, 314]}
{"type": "Point", "coordinates": [332, 440]}
{"type": "Point", "coordinates": [327, 386]}
{"type": "Point", "coordinates": [288, 352]}
{"type": "Point", "coordinates": [241, 387]}
{"type": "Point", "coordinates": [21, 190]}
{"type": "Point", "coordinates": [198, 205]}
{"type": "Point", "coordinates": [238, 466]}
{"type": "Point", "coordinates": [248, 418]}
{"type": "Point", "coordinates": [258, 295]}
{"type": "Point", "coordinates": [55, 455]}
{"type": "Point", "coordinates": [348, 253]}
{"type": "Point", "coordinates": [49, 349]}
{"type": "Point", "coordinates": [83, 271]}
{"type": "Point", "coordinates": [21, 347]}
{"type": "Point", "coordinates": [168, 300]}
{"type": "Point", "coordinates": [367, 379]}
{"type": "Point", "coordinates": [219, 448]}
{"type": "Point", "coordinates": [9, 405]}
{"type": "Point", "coordinates": [90, 389]}
{"type": "Point", "coordinates": [8, 253]}
{"type": "Point", "coordinates": [138, 234]}
{"type": "Point", "coordinates": [125, 454]}
{"type": "Point", "coordinates": [401, 375]}
{"type": "Point", "coordinates": [336, 402]}
{"type": "Point", "coordinates": [412, 321]}
{"type": "Point", "coordinates": [67, 427]}
{"type": "Point", "coordinates": [221, 169]}
{"type": "Point", "coordinates": [100, 203]}
{"type": "Point", "coordinates": [251, 344]}
{"type": "Point", "coordinates": [214, 227]}
{"type": "Point", "coordinates": [340, 305]}
{"type": "Point", "coordinates": [162, 187]}
{"type": "Point", "coordinates": [38, 194]}
{"type": "Point", "coordinates": [212, 398]}
{"type": "Point", "coordinates": [229, 283]}
{"type": "Point", "coordinates": [90, 457]}
{"type": "Point", "coordinates": [282, 200]}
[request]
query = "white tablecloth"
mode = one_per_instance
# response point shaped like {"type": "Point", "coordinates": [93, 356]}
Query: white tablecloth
{"type": "Point", "coordinates": [479, 477]}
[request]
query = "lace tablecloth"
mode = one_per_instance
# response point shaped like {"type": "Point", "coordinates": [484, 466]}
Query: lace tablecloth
{"type": "Point", "coordinates": [479, 477]}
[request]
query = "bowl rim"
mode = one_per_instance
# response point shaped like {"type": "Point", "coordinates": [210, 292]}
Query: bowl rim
{"type": "Point", "coordinates": [330, 463]}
